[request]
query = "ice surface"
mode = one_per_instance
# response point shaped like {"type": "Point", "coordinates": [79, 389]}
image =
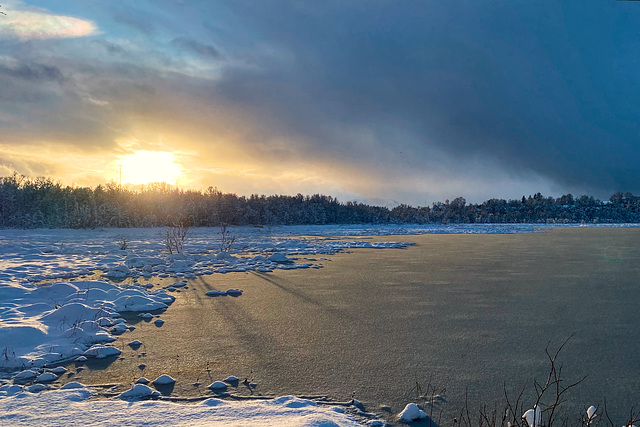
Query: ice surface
{"type": "Point", "coordinates": [53, 309]}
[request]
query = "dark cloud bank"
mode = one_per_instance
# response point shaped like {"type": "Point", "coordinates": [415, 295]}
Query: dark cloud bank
{"type": "Point", "coordinates": [546, 90]}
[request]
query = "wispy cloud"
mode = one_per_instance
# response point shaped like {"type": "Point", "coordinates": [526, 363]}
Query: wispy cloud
{"type": "Point", "coordinates": [38, 24]}
{"type": "Point", "coordinates": [196, 47]}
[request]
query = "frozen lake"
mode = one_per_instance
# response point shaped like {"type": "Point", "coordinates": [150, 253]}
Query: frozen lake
{"type": "Point", "coordinates": [463, 312]}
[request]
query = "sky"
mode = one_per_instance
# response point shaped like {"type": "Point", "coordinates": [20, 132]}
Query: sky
{"type": "Point", "coordinates": [384, 102]}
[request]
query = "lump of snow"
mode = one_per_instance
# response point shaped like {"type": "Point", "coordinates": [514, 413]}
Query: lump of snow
{"type": "Point", "coordinates": [72, 385]}
{"type": "Point", "coordinates": [59, 370]}
{"type": "Point", "coordinates": [10, 390]}
{"type": "Point", "coordinates": [142, 380]}
{"type": "Point", "coordinates": [135, 261]}
{"type": "Point", "coordinates": [215, 293]}
{"type": "Point", "coordinates": [47, 377]}
{"type": "Point", "coordinates": [105, 321]}
{"type": "Point", "coordinates": [224, 256]}
{"type": "Point", "coordinates": [146, 315]}
{"type": "Point", "coordinates": [101, 351]}
{"type": "Point", "coordinates": [25, 375]}
{"type": "Point", "coordinates": [135, 344]}
{"type": "Point", "coordinates": [213, 402]}
{"type": "Point", "coordinates": [118, 272]}
{"type": "Point", "coordinates": [163, 379]}
{"type": "Point", "coordinates": [231, 379]}
{"type": "Point", "coordinates": [234, 292]}
{"type": "Point", "coordinates": [292, 402]}
{"type": "Point", "coordinates": [139, 391]}
{"type": "Point", "coordinates": [159, 322]}
{"type": "Point", "coordinates": [218, 385]}
{"type": "Point", "coordinates": [36, 388]}
{"type": "Point", "coordinates": [591, 411]}
{"type": "Point", "coordinates": [357, 404]}
{"type": "Point", "coordinates": [71, 312]}
{"type": "Point", "coordinates": [280, 258]}
{"type": "Point", "coordinates": [137, 303]}
{"type": "Point", "coordinates": [81, 359]}
{"type": "Point", "coordinates": [411, 412]}
{"type": "Point", "coordinates": [533, 419]}
{"type": "Point", "coordinates": [119, 329]}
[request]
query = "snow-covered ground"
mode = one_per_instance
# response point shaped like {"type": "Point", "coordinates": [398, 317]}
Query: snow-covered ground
{"type": "Point", "coordinates": [60, 301]}
{"type": "Point", "coordinates": [65, 407]}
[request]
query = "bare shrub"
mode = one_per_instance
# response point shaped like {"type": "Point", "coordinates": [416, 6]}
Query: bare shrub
{"type": "Point", "coordinates": [175, 236]}
{"type": "Point", "coordinates": [123, 243]}
{"type": "Point", "coordinates": [226, 239]}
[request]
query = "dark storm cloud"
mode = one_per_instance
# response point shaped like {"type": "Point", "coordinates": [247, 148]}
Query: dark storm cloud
{"type": "Point", "coordinates": [398, 91]}
{"type": "Point", "coordinates": [544, 88]}
{"type": "Point", "coordinates": [196, 47]}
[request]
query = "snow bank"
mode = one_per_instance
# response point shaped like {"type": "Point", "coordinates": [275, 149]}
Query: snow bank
{"type": "Point", "coordinates": [73, 407]}
{"type": "Point", "coordinates": [49, 323]}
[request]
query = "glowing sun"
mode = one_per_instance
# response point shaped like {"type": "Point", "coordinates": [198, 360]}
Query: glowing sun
{"type": "Point", "coordinates": [144, 167]}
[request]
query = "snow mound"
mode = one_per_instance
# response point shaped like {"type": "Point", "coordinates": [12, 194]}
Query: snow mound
{"type": "Point", "coordinates": [280, 258]}
{"type": "Point", "coordinates": [292, 402]}
{"type": "Point", "coordinates": [118, 272]}
{"type": "Point", "coordinates": [138, 302]}
{"type": "Point", "coordinates": [101, 351]}
{"type": "Point", "coordinates": [139, 391]}
{"type": "Point", "coordinates": [55, 322]}
{"type": "Point", "coordinates": [25, 375]}
{"type": "Point", "coordinates": [215, 293]}
{"type": "Point", "coordinates": [11, 390]}
{"type": "Point", "coordinates": [218, 385]}
{"type": "Point", "coordinates": [46, 377]}
{"type": "Point", "coordinates": [163, 380]}
{"type": "Point", "coordinates": [411, 412]}
{"type": "Point", "coordinates": [36, 388]}
{"type": "Point", "coordinates": [135, 261]}
{"type": "Point", "coordinates": [72, 385]}
{"type": "Point", "coordinates": [213, 402]}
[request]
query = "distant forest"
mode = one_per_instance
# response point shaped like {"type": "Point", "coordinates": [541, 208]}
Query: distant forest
{"type": "Point", "coordinates": [44, 203]}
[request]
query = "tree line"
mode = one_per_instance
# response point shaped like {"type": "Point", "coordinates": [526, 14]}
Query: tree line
{"type": "Point", "coordinates": [44, 203]}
